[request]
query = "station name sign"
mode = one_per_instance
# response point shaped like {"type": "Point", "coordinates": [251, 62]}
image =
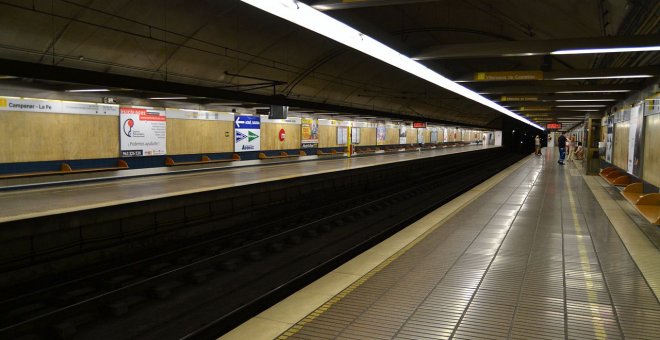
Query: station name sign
{"type": "Point", "coordinates": [508, 75]}
{"type": "Point", "coordinates": [553, 126]}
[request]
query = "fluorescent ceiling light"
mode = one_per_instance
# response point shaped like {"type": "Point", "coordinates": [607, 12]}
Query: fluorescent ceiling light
{"type": "Point", "coordinates": [226, 104]}
{"type": "Point", "coordinates": [607, 77]}
{"type": "Point", "coordinates": [594, 91]}
{"type": "Point", "coordinates": [167, 98]}
{"type": "Point", "coordinates": [608, 50]}
{"type": "Point", "coordinates": [88, 90]}
{"type": "Point", "coordinates": [581, 106]}
{"type": "Point", "coordinates": [307, 17]}
{"type": "Point", "coordinates": [585, 100]}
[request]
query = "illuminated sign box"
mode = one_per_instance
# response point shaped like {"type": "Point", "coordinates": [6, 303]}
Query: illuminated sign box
{"type": "Point", "coordinates": [419, 125]}
{"type": "Point", "coordinates": [553, 126]}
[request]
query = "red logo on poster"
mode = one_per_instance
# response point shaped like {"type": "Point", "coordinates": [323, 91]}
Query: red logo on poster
{"type": "Point", "coordinates": [282, 135]}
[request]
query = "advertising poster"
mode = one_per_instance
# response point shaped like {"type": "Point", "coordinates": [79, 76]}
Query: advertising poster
{"type": "Point", "coordinates": [381, 133]}
{"type": "Point", "coordinates": [247, 130]}
{"type": "Point", "coordinates": [402, 134]}
{"type": "Point", "coordinates": [610, 139]}
{"type": "Point", "coordinates": [445, 136]}
{"type": "Point", "coordinates": [309, 133]}
{"type": "Point", "coordinates": [355, 135]}
{"type": "Point", "coordinates": [434, 136]}
{"type": "Point", "coordinates": [342, 135]}
{"type": "Point", "coordinates": [142, 131]}
{"type": "Point", "coordinates": [635, 142]}
{"type": "Point", "coordinates": [420, 136]}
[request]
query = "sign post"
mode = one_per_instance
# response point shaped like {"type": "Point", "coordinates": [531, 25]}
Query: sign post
{"type": "Point", "coordinates": [247, 130]}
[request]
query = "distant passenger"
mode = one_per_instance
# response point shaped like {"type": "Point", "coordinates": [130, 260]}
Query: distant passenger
{"type": "Point", "coordinates": [579, 152]}
{"type": "Point", "coordinates": [561, 143]}
{"type": "Point", "coordinates": [571, 147]}
{"type": "Point", "coordinates": [537, 145]}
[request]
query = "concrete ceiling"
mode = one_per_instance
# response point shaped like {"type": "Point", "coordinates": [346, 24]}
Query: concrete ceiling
{"type": "Point", "coordinates": [228, 45]}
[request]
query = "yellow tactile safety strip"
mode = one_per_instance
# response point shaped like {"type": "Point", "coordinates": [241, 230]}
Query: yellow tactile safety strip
{"type": "Point", "coordinates": [487, 185]}
{"type": "Point", "coordinates": [598, 326]}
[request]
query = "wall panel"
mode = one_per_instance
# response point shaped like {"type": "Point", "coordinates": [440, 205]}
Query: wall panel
{"type": "Point", "coordinates": [368, 136]}
{"type": "Point", "coordinates": [270, 133]}
{"type": "Point", "coordinates": [651, 165]}
{"type": "Point", "coordinates": [328, 136]}
{"type": "Point", "coordinates": [28, 137]}
{"type": "Point", "coordinates": [191, 136]}
{"type": "Point", "coordinates": [620, 148]}
{"type": "Point", "coordinates": [411, 136]}
{"type": "Point", "coordinates": [391, 136]}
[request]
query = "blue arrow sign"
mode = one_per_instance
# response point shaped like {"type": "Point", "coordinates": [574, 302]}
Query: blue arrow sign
{"type": "Point", "coordinates": [247, 122]}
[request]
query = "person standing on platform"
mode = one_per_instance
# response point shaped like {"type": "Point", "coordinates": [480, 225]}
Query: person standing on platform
{"type": "Point", "coordinates": [571, 147]}
{"type": "Point", "coordinates": [537, 145]}
{"type": "Point", "coordinates": [561, 142]}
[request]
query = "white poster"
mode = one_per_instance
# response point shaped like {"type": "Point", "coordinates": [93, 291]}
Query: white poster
{"type": "Point", "coordinates": [610, 137]}
{"type": "Point", "coordinates": [498, 138]}
{"type": "Point", "coordinates": [342, 135]}
{"type": "Point", "coordinates": [402, 134]}
{"type": "Point", "coordinates": [631, 138]}
{"type": "Point", "coordinates": [420, 136]}
{"type": "Point", "coordinates": [635, 140]}
{"type": "Point", "coordinates": [355, 135]}
{"type": "Point", "coordinates": [445, 136]}
{"type": "Point", "coordinates": [247, 130]}
{"type": "Point", "coordinates": [142, 131]}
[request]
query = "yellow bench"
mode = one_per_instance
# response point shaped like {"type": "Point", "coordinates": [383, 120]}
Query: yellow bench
{"type": "Point", "coordinates": [66, 169]}
{"type": "Point", "coordinates": [648, 204]}
{"type": "Point", "coordinates": [204, 160]}
{"type": "Point", "coordinates": [283, 154]}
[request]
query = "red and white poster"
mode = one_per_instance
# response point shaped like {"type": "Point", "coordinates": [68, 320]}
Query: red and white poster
{"type": "Point", "coordinates": [142, 131]}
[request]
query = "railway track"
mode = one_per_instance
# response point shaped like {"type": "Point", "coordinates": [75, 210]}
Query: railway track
{"type": "Point", "coordinates": [209, 285]}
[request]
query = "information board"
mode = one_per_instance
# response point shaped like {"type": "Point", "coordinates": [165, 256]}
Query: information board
{"type": "Point", "coordinates": [247, 130]}
{"type": "Point", "coordinates": [402, 134]}
{"type": "Point", "coordinates": [142, 131]}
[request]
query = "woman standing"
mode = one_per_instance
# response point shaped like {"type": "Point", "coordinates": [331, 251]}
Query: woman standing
{"type": "Point", "coordinates": [571, 148]}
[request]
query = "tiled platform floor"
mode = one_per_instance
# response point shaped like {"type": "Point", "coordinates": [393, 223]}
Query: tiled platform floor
{"type": "Point", "coordinates": [535, 257]}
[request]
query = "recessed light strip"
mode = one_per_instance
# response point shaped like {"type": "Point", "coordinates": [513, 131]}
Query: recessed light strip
{"type": "Point", "coordinates": [586, 100]}
{"type": "Point", "coordinates": [608, 50]}
{"type": "Point", "coordinates": [88, 90]}
{"type": "Point", "coordinates": [307, 17]}
{"type": "Point", "coordinates": [607, 77]}
{"type": "Point", "coordinates": [595, 91]}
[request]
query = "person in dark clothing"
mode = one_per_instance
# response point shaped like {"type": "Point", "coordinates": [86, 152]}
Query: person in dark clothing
{"type": "Point", "coordinates": [561, 142]}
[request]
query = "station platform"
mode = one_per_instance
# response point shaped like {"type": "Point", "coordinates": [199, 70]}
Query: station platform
{"type": "Point", "coordinates": [130, 186]}
{"type": "Point", "coordinates": [539, 251]}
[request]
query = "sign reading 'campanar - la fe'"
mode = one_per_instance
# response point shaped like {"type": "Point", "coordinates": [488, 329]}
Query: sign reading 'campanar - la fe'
{"type": "Point", "coordinates": [142, 131]}
{"type": "Point", "coordinates": [247, 130]}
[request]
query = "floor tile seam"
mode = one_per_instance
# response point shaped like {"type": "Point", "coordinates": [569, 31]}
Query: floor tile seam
{"type": "Point", "coordinates": [498, 178]}
{"type": "Point", "coordinates": [529, 256]}
{"type": "Point", "coordinates": [574, 200]}
{"type": "Point", "coordinates": [493, 258]}
{"type": "Point", "coordinates": [599, 186]}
